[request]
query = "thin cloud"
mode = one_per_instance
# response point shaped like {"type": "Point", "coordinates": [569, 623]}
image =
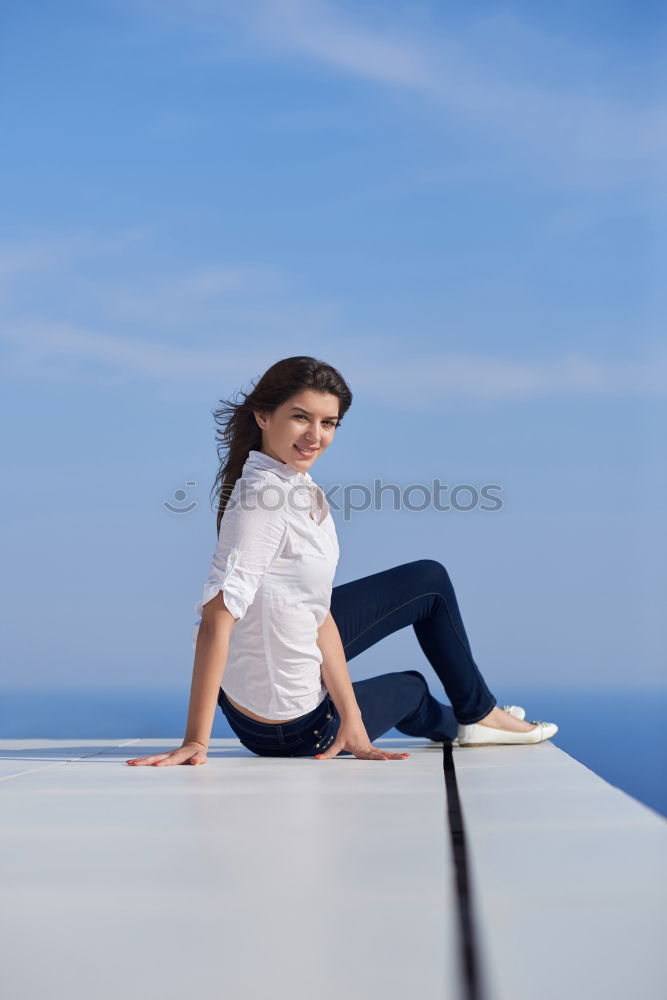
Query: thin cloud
{"type": "Point", "coordinates": [322, 30]}
{"type": "Point", "coordinates": [592, 137]}
{"type": "Point", "coordinates": [202, 299]}
{"type": "Point", "coordinates": [227, 296]}
{"type": "Point", "coordinates": [426, 381]}
{"type": "Point", "coordinates": [480, 378]}
{"type": "Point", "coordinates": [47, 253]}
{"type": "Point", "coordinates": [37, 344]}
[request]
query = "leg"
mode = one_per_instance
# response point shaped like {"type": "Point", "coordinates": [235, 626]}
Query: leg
{"type": "Point", "coordinates": [420, 594]}
{"type": "Point", "coordinates": [401, 699]}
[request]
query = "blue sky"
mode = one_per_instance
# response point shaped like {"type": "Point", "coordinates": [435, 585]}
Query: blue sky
{"type": "Point", "coordinates": [459, 206]}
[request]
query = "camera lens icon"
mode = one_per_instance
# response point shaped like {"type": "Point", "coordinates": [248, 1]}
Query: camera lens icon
{"type": "Point", "coordinates": [179, 497]}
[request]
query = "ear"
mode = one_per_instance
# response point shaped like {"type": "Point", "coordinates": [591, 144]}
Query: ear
{"type": "Point", "coordinates": [260, 419]}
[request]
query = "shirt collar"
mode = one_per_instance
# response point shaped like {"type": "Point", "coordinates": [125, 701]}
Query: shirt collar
{"type": "Point", "coordinates": [259, 460]}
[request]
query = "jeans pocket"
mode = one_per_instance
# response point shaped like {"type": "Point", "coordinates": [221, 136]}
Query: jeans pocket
{"type": "Point", "coordinates": [323, 732]}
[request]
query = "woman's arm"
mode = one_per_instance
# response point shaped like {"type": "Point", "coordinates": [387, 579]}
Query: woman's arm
{"type": "Point", "coordinates": [211, 652]}
{"type": "Point", "coordinates": [335, 674]}
{"type": "Point", "coordinates": [210, 660]}
{"type": "Point", "coordinates": [352, 735]}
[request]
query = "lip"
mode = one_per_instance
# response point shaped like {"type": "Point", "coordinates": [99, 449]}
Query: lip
{"type": "Point", "coordinates": [312, 452]}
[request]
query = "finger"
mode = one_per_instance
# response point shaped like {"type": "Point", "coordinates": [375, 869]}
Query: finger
{"type": "Point", "coordinates": [185, 755]}
{"type": "Point", "coordinates": [180, 756]}
{"type": "Point", "coordinates": [368, 753]}
{"type": "Point", "coordinates": [375, 753]}
{"type": "Point", "coordinates": [387, 754]}
{"type": "Point", "coordinates": [334, 749]}
{"type": "Point", "coordinates": [174, 758]}
{"type": "Point", "coordinates": [146, 760]}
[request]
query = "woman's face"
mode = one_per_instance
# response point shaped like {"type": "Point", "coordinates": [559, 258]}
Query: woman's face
{"type": "Point", "coordinates": [306, 420]}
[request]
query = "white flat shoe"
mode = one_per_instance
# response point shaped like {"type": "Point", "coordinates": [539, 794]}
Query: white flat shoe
{"type": "Point", "coordinates": [516, 710]}
{"type": "Point", "coordinates": [477, 736]}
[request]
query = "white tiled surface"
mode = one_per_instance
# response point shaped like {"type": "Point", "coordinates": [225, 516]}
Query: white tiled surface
{"type": "Point", "coordinates": [247, 877]}
{"type": "Point", "coordinates": [569, 875]}
{"type": "Point", "coordinates": [296, 878]}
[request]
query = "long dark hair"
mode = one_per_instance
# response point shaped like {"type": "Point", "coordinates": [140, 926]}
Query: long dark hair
{"type": "Point", "coordinates": [238, 432]}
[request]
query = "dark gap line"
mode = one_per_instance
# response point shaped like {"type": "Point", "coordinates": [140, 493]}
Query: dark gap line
{"type": "Point", "coordinates": [470, 952]}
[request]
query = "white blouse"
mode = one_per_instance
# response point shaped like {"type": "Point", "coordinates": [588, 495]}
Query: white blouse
{"type": "Point", "coordinates": [275, 562]}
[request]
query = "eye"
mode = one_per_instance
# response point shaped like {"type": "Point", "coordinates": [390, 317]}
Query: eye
{"type": "Point", "coordinates": [302, 416]}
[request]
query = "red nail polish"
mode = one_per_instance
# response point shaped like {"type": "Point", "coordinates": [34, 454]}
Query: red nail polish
{"type": "Point", "coordinates": [318, 755]}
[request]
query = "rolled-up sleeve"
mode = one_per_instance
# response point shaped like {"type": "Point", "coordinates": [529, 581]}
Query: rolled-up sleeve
{"type": "Point", "coordinates": [252, 530]}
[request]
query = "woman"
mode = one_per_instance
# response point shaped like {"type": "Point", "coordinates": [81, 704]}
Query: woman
{"type": "Point", "coordinates": [278, 635]}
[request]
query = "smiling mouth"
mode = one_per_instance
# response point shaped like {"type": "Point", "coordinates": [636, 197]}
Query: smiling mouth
{"type": "Point", "coordinates": [305, 452]}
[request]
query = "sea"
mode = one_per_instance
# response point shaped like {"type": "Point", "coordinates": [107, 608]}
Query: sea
{"type": "Point", "coordinates": [621, 734]}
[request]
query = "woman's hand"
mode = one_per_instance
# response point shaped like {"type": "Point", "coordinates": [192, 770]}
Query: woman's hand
{"type": "Point", "coordinates": [188, 753]}
{"type": "Point", "coordinates": [352, 736]}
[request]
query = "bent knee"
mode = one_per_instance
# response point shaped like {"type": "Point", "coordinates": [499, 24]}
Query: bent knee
{"type": "Point", "coordinates": [416, 673]}
{"type": "Point", "coordinates": [432, 573]}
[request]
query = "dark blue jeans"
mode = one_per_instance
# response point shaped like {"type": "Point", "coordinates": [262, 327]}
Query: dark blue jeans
{"type": "Point", "coordinates": [420, 594]}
